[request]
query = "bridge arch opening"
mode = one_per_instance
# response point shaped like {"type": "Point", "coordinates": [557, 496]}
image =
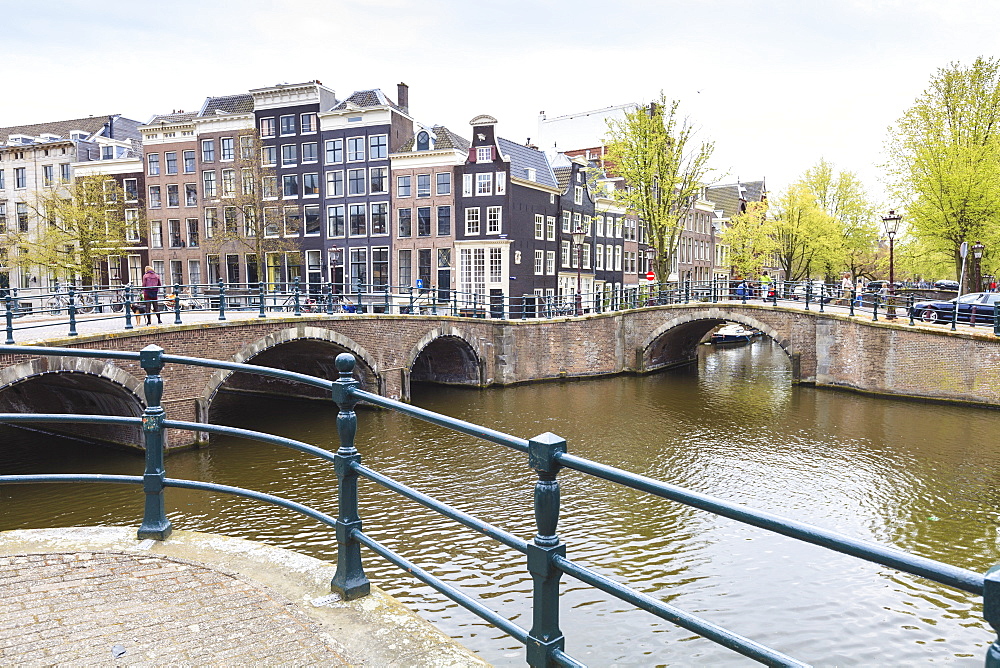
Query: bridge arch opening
{"type": "Point", "coordinates": [66, 391]}
{"type": "Point", "coordinates": [448, 360]}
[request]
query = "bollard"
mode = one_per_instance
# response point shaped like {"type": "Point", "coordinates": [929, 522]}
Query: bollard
{"type": "Point", "coordinates": [128, 306]}
{"type": "Point", "coordinates": [222, 300]}
{"type": "Point", "coordinates": [72, 312]}
{"type": "Point", "coordinates": [545, 637]}
{"type": "Point", "coordinates": [9, 317]}
{"type": "Point", "coordinates": [177, 303]}
{"type": "Point", "coordinates": [260, 297]}
{"type": "Point", "coordinates": [349, 581]}
{"type": "Point", "coordinates": [154, 519]}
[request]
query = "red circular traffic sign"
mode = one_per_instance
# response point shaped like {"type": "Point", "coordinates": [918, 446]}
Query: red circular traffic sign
{"type": "Point", "coordinates": [650, 276]}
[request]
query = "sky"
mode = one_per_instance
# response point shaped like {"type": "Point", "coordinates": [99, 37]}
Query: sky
{"type": "Point", "coordinates": [776, 85]}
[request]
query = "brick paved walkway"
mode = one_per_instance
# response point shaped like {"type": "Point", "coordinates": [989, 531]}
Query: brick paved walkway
{"type": "Point", "coordinates": [93, 607]}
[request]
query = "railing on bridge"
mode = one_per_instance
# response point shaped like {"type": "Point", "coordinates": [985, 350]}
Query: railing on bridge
{"type": "Point", "coordinates": [129, 304]}
{"type": "Point", "coordinates": [546, 554]}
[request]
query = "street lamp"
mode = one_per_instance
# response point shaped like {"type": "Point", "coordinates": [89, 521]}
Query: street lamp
{"type": "Point", "coordinates": [578, 236]}
{"type": "Point", "coordinates": [891, 222]}
{"type": "Point", "coordinates": [977, 252]}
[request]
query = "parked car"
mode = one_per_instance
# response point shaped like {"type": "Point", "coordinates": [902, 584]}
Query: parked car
{"type": "Point", "coordinates": [829, 292]}
{"type": "Point", "coordinates": [973, 307]}
{"type": "Point", "coordinates": [946, 284]}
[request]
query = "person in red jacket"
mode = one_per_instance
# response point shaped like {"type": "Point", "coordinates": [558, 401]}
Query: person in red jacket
{"type": "Point", "coordinates": [150, 291]}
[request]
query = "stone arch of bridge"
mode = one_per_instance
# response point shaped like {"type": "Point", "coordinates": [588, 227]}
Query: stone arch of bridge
{"type": "Point", "coordinates": [75, 385]}
{"type": "Point", "coordinates": [308, 350]}
{"type": "Point", "coordinates": [675, 341]}
{"type": "Point", "coordinates": [446, 355]}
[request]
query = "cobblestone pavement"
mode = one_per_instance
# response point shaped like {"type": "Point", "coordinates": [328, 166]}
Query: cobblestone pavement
{"type": "Point", "coordinates": [130, 609]}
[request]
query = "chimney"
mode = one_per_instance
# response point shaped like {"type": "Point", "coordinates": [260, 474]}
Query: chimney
{"type": "Point", "coordinates": [403, 97]}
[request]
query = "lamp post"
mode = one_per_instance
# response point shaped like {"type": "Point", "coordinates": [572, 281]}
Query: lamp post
{"type": "Point", "coordinates": [578, 236]}
{"type": "Point", "coordinates": [977, 253]}
{"type": "Point", "coordinates": [891, 222]}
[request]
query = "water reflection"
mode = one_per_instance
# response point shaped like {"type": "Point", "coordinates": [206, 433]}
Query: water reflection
{"type": "Point", "coordinates": [915, 475]}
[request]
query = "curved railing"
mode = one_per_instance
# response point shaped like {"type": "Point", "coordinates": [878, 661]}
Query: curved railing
{"type": "Point", "coordinates": [546, 554]}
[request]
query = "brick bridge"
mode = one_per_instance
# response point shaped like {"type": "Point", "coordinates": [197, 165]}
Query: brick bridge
{"type": "Point", "coordinates": [825, 349]}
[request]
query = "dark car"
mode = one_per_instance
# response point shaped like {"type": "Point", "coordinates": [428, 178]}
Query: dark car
{"type": "Point", "coordinates": [946, 285]}
{"type": "Point", "coordinates": [973, 307]}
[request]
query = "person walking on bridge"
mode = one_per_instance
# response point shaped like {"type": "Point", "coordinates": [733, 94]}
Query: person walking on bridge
{"type": "Point", "coordinates": [150, 292]}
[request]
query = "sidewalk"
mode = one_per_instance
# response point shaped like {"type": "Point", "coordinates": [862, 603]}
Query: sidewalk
{"type": "Point", "coordinates": [96, 595]}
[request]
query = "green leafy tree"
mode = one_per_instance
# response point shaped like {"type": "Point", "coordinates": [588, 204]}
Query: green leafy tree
{"type": "Point", "coordinates": [750, 240]}
{"type": "Point", "coordinates": [78, 225]}
{"type": "Point", "coordinates": [945, 157]}
{"type": "Point", "coordinates": [657, 154]}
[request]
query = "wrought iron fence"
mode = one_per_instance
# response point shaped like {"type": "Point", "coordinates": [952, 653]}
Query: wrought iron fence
{"type": "Point", "coordinates": [546, 554]}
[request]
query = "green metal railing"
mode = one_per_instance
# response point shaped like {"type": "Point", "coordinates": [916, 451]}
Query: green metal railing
{"type": "Point", "coordinates": [546, 554]}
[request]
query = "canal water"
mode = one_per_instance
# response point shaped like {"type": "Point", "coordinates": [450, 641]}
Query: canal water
{"type": "Point", "coordinates": [923, 477]}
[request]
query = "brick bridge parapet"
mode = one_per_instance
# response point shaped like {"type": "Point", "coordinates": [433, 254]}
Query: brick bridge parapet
{"type": "Point", "coordinates": [825, 349]}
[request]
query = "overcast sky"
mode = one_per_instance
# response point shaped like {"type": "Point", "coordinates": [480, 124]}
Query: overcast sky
{"type": "Point", "coordinates": [776, 84]}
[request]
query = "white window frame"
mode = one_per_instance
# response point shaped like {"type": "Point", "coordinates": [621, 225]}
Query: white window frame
{"type": "Point", "coordinates": [494, 219]}
{"type": "Point", "coordinates": [473, 224]}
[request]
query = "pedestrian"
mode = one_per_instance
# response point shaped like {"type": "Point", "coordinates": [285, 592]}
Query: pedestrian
{"type": "Point", "coordinates": [845, 286]}
{"type": "Point", "coordinates": [150, 291]}
{"type": "Point", "coordinates": [859, 287]}
{"type": "Point", "coordinates": [993, 286]}
{"type": "Point", "coordinates": [765, 286]}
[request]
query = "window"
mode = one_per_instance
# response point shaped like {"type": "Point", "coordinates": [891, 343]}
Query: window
{"type": "Point", "coordinates": [310, 185]}
{"type": "Point", "coordinates": [355, 149]}
{"type": "Point", "coordinates": [154, 197]}
{"type": "Point", "coordinates": [564, 259]}
{"type": "Point", "coordinates": [567, 219]}
{"type": "Point", "coordinates": [618, 258]}
{"type": "Point", "coordinates": [380, 218]}
{"type": "Point", "coordinates": [334, 151]}
{"type": "Point", "coordinates": [405, 267]}
{"type": "Point", "coordinates": [539, 226]}
{"type": "Point", "coordinates": [404, 218]}
{"type": "Point", "coordinates": [424, 266]}
{"type": "Point", "coordinates": [192, 232]}
{"type": "Point", "coordinates": [577, 221]}
{"type": "Point", "coordinates": [290, 185]}
{"type": "Point", "coordinates": [472, 221]}
{"type": "Point", "coordinates": [539, 262]}
{"type": "Point", "coordinates": [359, 269]}
{"type": "Point", "coordinates": [484, 183]}
{"type": "Point", "coordinates": [227, 148]}
{"type": "Point", "coordinates": [170, 158]}
{"type": "Point", "coordinates": [152, 164]}
{"type": "Point", "coordinates": [155, 234]}
{"type": "Point", "coordinates": [335, 184]}
{"type": "Point", "coordinates": [208, 184]}
{"type": "Point", "coordinates": [131, 188]}
{"type": "Point", "coordinates": [110, 194]}
{"type": "Point", "coordinates": [269, 156]}
{"type": "Point", "coordinates": [335, 221]}
{"type": "Point", "coordinates": [550, 263]}
{"type": "Point", "coordinates": [380, 267]}
{"type": "Point", "coordinates": [272, 217]}
{"type": "Point", "coordinates": [3, 184]}
{"type": "Point", "coordinates": [188, 157]}
{"type": "Point", "coordinates": [378, 147]}
{"type": "Point", "coordinates": [586, 256]}
{"type": "Point", "coordinates": [444, 221]}
{"type": "Point", "coordinates": [494, 219]}
{"type": "Point", "coordinates": [550, 228]}
{"type": "Point", "coordinates": [107, 152]}
{"type": "Point", "coordinates": [443, 183]}
{"type": "Point", "coordinates": [496, 265]}
{"type": "Point", "coordinates": [21, 209]}
{"type": "Point", "coordinates": [307, 122]}
{"type": "Point", "coordinates": [211, 220]}
{"type": "Point", "coordinates": [287, 124]}
{"type": "Point", "coordinates": [310, 215]}
{"type": "Point", "coordinates": [355, 181]}
{"type": "Point", "coordinates": [577, 194]}
{"type": "Point", "coordinates": [600, 226]}
{"type": "Point", "coordinates": [423, 185]}
{"type": "Point", "coordinates": [267, 127]}
{"type": "Point", "coordinates": [190, 194]}
{"type": "Point", "coordinates": [358, 220]}
{"type": "Point", "coordinates": [229, 220]}
{"type": "Point", "coordinates": [501, 183]}
{"type": "Point", "coordinates": [484, 154]}
{"type": "Point", "coordinates": [174, 229]}
{"type": "Point", "coordinates": [599, 257]}
{"type": "Point", "coordinates": [309, 152]}
{"type": "Point", "coordinates": [246, 181]}
{"type": "Point", "coordinates": [293, 221]}
{"type": "Point", "coordinates": [379, 183]}
{"type": "Point", "coordinates": [194, 271]}
{"type": "Point", "coordinates": [228, 182]}
{"type": "Point", "coordinates": [424, 221]}
{"type": "Point", "coordinates": [467, 185]}
{"type": "Point", "coordinates": [64, 172]}
{"type": "Point", "coordinates": [289, 154]}
{"type": "Point", "coordinates": [214, 276]}
{"type": "Point", "coordinates": [208, 150]}
{"type": "Point", "coordinates": [609, 262]}
{"type": "Point", "coordinates": [403, 186]}
{"type": "Point", "coordinates": [173, 195]}
{"type": "Point", "coordinates": [269, 187]}
{"type": "Point", "coordinates": [48, 174]}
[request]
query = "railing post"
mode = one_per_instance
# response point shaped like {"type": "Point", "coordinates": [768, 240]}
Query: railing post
{"type": "Point", "coordinates": [328, 299]}
{"type": "Point", "coordinates": [991, 613]}
{"type": "Point", "coordinates": [260, 295]}
{"type": "Point", "coordinates": [222, 300]}
{"type": "Point", "coordinates": [154, 519]}
{"type": "Point", "coordinates": [9, 316]}
{"type": "Point", "coordinates": [875, 300]}
{"type": "Point", "coordinates": [177, 303]}
{"type": "Point", "coordinates": [296, 297]}
{"type": "Point", "coordinates": [822, 293]}
{"type": "Point", "coordinates": [853, 296]}
{"type": "Point", "coordinates": [72, 311]}
{"type": "Point", "coordinates": [996, 319]}
{"type": "Point", "coordinates": [128, 306]}
{"type": "Point", "coordinates": [349, 581]}
{"type": "Point", "coordinates": [545, 636]}
{"type": "Point", "coordinates": [808, 293]}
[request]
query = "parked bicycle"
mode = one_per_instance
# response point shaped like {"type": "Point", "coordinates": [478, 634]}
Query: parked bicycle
{"type": "Point", "coordinates": [58, 302]}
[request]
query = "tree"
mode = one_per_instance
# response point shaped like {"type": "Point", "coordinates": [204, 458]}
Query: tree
{"type": "Point", "coordinates": [750, 240]}
{"type": "Point", "coordinates": [252, 220]}
{"type": "Point", "coordinates": [79, 225]}
{"type": "Point", "coordinates": [655, 151]}
{"type": "Point", "coordinates": [945, 157]}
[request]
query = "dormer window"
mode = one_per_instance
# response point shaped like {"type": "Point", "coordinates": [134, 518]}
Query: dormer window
{"type": "Point", "coordinates": [484, 154]}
